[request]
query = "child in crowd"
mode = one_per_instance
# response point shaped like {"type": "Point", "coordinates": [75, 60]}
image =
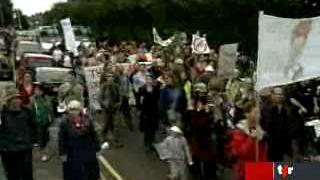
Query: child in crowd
{"type": "Point", "coordinates": [177, 154]}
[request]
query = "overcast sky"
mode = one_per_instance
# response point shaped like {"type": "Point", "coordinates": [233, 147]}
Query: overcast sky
{"type": "Point", "coordinates": [30, 7]}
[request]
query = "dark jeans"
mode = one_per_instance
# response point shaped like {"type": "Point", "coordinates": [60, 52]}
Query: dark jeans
{"type": "Point", "coordinates": [18, 165]}
{"type": "Point", "coordinates": [43, 136]}
{"type": "Point", "coordinates": [149, 137]}
{"type": "Point", "coordinates": [109, 122]}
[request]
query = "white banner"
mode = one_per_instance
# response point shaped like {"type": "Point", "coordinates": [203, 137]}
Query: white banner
{"type": "Point", "coordinates": [227, 60]}
{"type": "Point", "coordinates": [199, 45]}
{"type": "Point", "coordinates": [288, 50]}
{"type": "Point", "coordinates": [69, 37]}
{"type": "Point", "coordinates": [158, 40]}
{"type": "Point", "coordinates": [93, 75]}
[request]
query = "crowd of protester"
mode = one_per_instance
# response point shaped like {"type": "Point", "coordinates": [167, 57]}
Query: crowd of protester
{"type": "Point", "coordinates": [204, 122]}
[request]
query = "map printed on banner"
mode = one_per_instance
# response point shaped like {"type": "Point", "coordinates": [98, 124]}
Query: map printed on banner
{"type": "Point", "coordinates": [288, 50]}
{"type": "Point", "coordinates": [69, 37]}
{"type": "Point", "coordinates": [199, 45]}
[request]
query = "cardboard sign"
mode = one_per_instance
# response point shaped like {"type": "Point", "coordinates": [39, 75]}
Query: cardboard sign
{"type": "Point", "coordinates": [227, 60]}
{"type": "Point", "coordinates": [69, 37]}
{"type": "Point", "coordinates": [199, 45]}
{"type": "Point", "coordinates": [93, 74]}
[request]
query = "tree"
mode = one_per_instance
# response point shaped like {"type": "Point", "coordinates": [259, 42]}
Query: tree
{"type": "Point", "coordinates": [6, 13]}
{"type": "Point", "coordinates": [224, 21]}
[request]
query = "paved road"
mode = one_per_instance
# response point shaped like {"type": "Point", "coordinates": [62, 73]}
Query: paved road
{"type": "Point", "coordinates": [133, 163]}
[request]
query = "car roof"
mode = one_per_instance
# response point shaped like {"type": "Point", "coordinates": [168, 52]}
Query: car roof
{"type": "Point", "coordinates": [29, 42]}
{"type": "Point", "coordinates": [45, 69]}
{"type": "Point", "coordinates": [37, 55]}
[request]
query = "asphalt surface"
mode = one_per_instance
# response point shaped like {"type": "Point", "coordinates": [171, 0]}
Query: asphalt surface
{"type": "Point", "coordinates": [132, 161]}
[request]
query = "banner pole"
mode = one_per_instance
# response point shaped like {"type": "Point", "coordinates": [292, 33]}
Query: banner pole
{"type": "Point", "coordinates": [258, 101]}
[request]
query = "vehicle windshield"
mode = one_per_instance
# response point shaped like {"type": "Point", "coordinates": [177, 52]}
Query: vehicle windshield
{"type": "Point", "coordinates": [26, 36]}
{"type": "Point", "coordinates": [34, 62]}
{"type": "Point", "coordinates": [49, 35]}
{"type": "Point", "coordinates": [29, 47]}
{"type": "Point", "coordinates": [57, 75]}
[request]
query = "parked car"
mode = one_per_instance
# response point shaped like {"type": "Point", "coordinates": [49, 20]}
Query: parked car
{"type": "Point", "coordinates": [28, 35]}
{"type": "Point", "coordinates": [28, 47]}
{"type": "Point", "coordinates": [49, 35]}
{"type": "Point", "coordinates": [31, 61]}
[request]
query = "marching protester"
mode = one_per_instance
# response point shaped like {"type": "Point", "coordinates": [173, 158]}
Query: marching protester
{"type": "Point", "coordinates": [149, 119]}
{"type": "Point", "coordinates": [177, 154]}
{"type": "Point", "coordinates": [16, 136]}
{"type": "Point", "coordinates": [43, 118]}
{"type": "Point", "coordinates": [125, 88]}
{"type": "Point", "coordinates": [58, 55]}
{"type": "Point", "coordinates": [243, 140]}
{"type": "Point", "coordinates": [110, 100]}
{"type": "Point", "coordinates": [173, 102]}
{"type": "Point", "coordinates": [26, 89]}
{"type": "Point", "coordinates": [201, 142]}
{"type": "Point", "coordinates": [78, 144]}
{"type": "Point", "coordinates": [283, 127]}
{"type": "Point", "coordinates": [71, 90]}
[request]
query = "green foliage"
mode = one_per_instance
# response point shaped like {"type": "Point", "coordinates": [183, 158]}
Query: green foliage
{"type": "Point", "coordinates": [224, 21]}
{"type": "Point", "coordinates": [5, 13]}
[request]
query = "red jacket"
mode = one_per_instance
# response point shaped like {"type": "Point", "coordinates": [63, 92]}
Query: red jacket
{"type": "Point", "coordinates": [25, 95]}
{"type": "Point", "coordinates": [242, 148]}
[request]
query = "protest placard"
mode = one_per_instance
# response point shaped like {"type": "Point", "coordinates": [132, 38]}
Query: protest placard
{"type": "Point", "coordinates": [69, 37]}
{"type": "Point", "coordinates": [227, 60]}
{"type": "Point", "coordinates": [288, 50]}
{"type": "Point", "coordinates": [199, 45]}
{"type": "Point", "coordinates": [93, 74]}
{"type": "Point", "coordinates": [158, 40]}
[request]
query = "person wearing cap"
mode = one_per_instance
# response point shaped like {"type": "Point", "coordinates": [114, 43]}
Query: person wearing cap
{"type": "Point", "coordinates": [78, 144]}
{"type": "Point", "coordinates": [178, 154]}
{"type": "Point", "coordinates": [43, 117]}
{"type": "Point", "coordinates": [16, 135]}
